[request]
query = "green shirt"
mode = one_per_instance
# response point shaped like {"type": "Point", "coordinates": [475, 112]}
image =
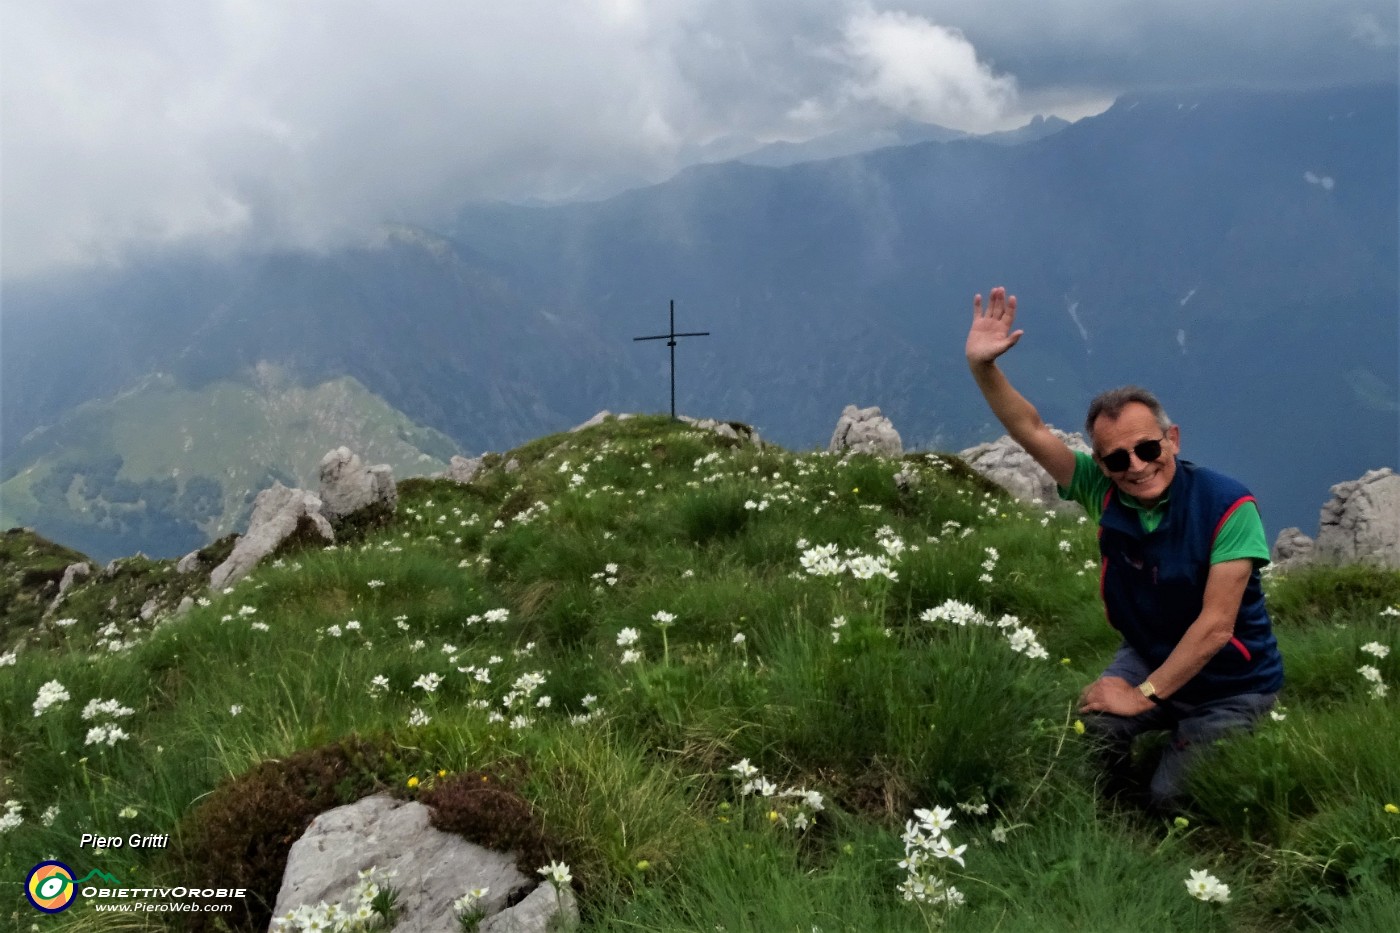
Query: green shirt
{"type": "Point", "coordinates": [1241, 536]}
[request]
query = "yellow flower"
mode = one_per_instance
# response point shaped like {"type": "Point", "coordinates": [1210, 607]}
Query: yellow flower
{"type": "Point", "coordinates": [1064, 660]}
{"type": "Point", "coordinates": [442, 772]}
{"type": "Point", "coordinates": [772, 816]}
{"type": "Point", "coordinates": [413, 781]}
{"type": "Point", "coordinates": [1181, 822]}
{"type": "Point", "coordinates": [855, 489]}
{"type": "Point", "coordinates": [1079, 726]}
{"type": "Point", "coordinates": [643, 865]}
{"type": "Point", "coordinates": [1392, 808]}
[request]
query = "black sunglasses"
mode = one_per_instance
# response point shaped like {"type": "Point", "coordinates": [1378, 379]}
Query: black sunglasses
{"type": "Point", "coordinates": [1147, 451]}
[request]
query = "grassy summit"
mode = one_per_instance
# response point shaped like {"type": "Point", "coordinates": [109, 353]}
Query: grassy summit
{"type": "Point", "coordinates": [716, 681]}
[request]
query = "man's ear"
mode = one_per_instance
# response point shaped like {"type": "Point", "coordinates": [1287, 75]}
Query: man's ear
{"type": "Point", "coordinates": [1174, 432]}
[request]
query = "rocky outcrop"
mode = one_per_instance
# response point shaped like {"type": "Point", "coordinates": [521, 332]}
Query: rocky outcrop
{"type": "Point", "coordinates": [865, 431]}
{"type": "Point", "coordinates": [347, 485]}
{"type": "Point", "coordinates": [427, 867]}
{"type": "Point", "coordinates": [1291, 548]}
{"type": "Point", "coordinates": [733, 430]}
{"type": "Point", "coordinates": [71, 574]}
{"type": "Point", "coordinates": [464, 469]}
{"type": "Point", "coordinates": [278, 513]}
{"type": "Point", "coordinates": [1361, 522]}
{"type": "Point", "coordinates": [1006, 463]}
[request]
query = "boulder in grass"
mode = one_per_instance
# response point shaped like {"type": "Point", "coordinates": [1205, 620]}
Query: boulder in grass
{"type": "Point", "coordinates": [730, 430]}
{"type": "Point", "coordinates": [1006, 463]}
{"type": "Point", "coordinates": [464, 469]}
{"type": "Point", "coordinates": [428, 868]}
{"type": "Point", "coordinates": [279, 513]}
{"type": "Point", "coordinates": [348, 486]}
{"type": "Point", "coordinates": [865, 431]}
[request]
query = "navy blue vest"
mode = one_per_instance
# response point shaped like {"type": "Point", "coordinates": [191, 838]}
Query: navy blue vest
{"type": "Point", "coordinates": [1153, 585]}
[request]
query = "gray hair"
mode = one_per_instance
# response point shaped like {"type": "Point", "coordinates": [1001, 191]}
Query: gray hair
{"type": "Point", "coordinates": [1112, 402]}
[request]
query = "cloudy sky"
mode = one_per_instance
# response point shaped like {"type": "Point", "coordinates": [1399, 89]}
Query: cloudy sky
{"type": "Point", "coordinates": [138, 124]}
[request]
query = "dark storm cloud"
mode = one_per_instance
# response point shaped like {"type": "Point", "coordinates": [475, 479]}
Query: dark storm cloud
{"type": "Point", "coordinates": [231, 123]}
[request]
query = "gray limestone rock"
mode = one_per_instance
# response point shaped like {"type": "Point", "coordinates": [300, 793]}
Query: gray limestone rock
{"type": "Point", "coordinates": [734, 430]}
{"type": "Point", "coordinates": [189, 563]}
{"type": "Point", "coordinates": [1361, 522]}
{"type": "Point", "coordinates": [1292, 548]}
{"type": "Point", "coordinates": [1006, 463]}
{"type": "Point", "coordinates": [347, 485]}
{"type": "Point", "coordinates": [276, 514]}
{"type": "Point", "coordinates": [464, 469]}
{"type": "Point", "coordinates": [71, 574]}
{"type": "Point", "coordinates": [536, 913]}
{"type": "Point", "coordinates": [865, 431]}
{"type": "Point", "coordinates": [512, 466]}
{"type": "Point", "coordinates": [431, 869]}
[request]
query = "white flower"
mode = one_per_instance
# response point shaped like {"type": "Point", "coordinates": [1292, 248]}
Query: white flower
{"type": "Point", "coordinates": [108, 735]}
{"type": "Point", "coordinates": [375, 584]}
{"type": "Point", "coordinates": [1376, 648]}
{"type": "Point", "coordinates": [631, 656]}
{"type": "Point", "coordinates": [1370, 673]}
{"type": "Point", "coordinates": [128, 813]}
{"type": "Point", "coordinates": [110, 708]}
{"type": "Point", "coordinates": [662, 617]}
{"type": "Point", "coordinates": [743, 769]}
{"type": "Point", "coordinates": [998, 833]}
{"type": "Point", "coordinates": [1204, 886]}
{"type": "Point", "coordinates": [627, 637]}
{"type": "Point", "coordinates": [428, 682]}
{"type": "Point", "coordinates": [378, 686]}
{"type": "Point", "coordinates": [235, 709]}
{"type": "Point", "coordinates": [12, 817]}
{"type": "Point", "coordinates": [418, 718]}
{"type": "Point", "coordinates": [49, 816]}
{"type": "Point", "coordinates": [8, 659]}
{"type": "Point", "coordinates": [51, 694]}
{"type": "Point", "coordinates": [1065, 546]}
{"type": "Point", "coordinates": [557, 872]}
{"type": "Point", "coordinates": [738, 638]}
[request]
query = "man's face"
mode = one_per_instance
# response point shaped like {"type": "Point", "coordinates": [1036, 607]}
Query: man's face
{"type": "Point", "coordinates": [1146, 482]}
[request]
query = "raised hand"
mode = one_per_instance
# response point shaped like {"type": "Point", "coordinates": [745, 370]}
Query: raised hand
{"type": "Point", "coordinates": [991, 334]}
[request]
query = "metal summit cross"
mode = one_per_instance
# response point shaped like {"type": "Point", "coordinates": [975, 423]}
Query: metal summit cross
{"type": "Point", "coordinates": [671, 342]}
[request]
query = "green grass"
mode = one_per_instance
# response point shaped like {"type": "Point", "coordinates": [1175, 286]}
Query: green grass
{"type": "Point", "coordinates": [627, 770]}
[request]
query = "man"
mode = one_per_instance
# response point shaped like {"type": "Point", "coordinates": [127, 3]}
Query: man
{"type": "Point", "coordinates": [1180, 549]}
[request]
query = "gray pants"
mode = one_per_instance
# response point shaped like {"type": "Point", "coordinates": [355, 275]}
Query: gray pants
{"type": "Point", "coordinates": [1193, 727]}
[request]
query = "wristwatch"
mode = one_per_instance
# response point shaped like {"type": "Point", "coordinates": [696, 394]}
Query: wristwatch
{"type": "Point", "coordinates": [1149, 691]}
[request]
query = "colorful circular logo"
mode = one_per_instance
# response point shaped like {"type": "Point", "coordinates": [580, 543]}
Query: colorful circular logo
{"type": "Point", "coordinates": [50, 887]}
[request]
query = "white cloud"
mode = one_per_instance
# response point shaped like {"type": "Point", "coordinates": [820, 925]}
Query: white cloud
{"type": "Point", "coordinates": [1326, 182]}
{"type": "Point", "coordinates": [924, 71]}
{"type": "Point", "coordinates": [226, 123]}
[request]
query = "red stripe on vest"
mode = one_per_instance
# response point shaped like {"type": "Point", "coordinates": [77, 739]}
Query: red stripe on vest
{"type": "Point", "coordinates": [1243, 650]}
{"type": "Point", "coordinates": [1226, 517]}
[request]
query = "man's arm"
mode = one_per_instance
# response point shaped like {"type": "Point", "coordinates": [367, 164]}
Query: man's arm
{"type": "Point", "coordinates": [990, 337]}
{"type": "Point", "coordinates": [1211, 631]}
